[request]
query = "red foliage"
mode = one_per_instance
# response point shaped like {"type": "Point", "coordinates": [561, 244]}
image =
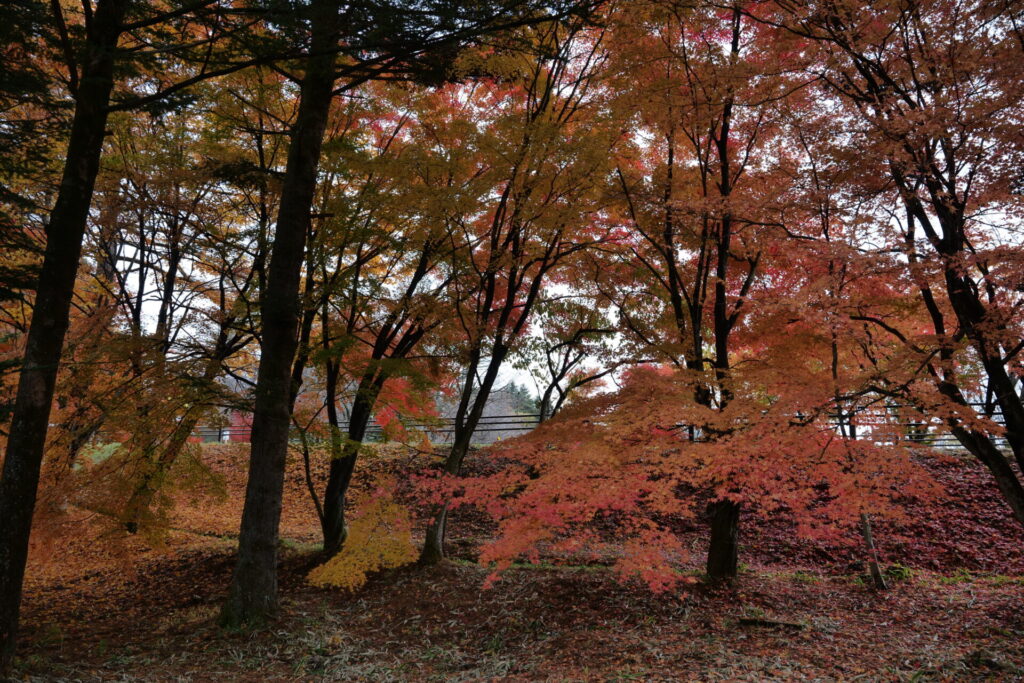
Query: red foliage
{"type": "Point", "coordinates": [627, 457]}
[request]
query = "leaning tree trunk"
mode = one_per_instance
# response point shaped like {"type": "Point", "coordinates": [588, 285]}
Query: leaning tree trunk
{"type": "Point", "coordinates": [877, 577]}
{"type": "Point", "coordinates": [723, 549]}
{"type": "Point", "coordinates": [433, 545]}
{"type": "Point", "coordinates": [139, 502]}
{"type": "Point", "coordinates": [343, 462]}
{"type": "Point", "coordinates": [253, 593]}
{"type": "Point", "coordinates": [141, 499]}
{"type": "Point", "coordinates": [50, 315]}
{"type": "Point", "coordinates": [980, 445]}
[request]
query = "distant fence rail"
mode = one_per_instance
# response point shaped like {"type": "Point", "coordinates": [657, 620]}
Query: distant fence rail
{"type": "Point", "coordinates": [492, 427]}
{"type": "Point", "coordinates": [889, 423]}
{"type": "Point", "coordinates": [880, 422]}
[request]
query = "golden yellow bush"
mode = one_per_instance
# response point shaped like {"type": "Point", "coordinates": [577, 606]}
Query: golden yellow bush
{"type": "Point", "coordinates": [380, 537]}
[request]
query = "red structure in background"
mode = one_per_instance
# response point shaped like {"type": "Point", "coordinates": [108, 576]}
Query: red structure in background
{"type": "Point", "coordinates": [240, 428]}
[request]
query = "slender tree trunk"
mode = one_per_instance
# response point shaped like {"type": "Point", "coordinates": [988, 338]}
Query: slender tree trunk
{"type": "Point", "coordinates": [433, 544]}
{"type": "Point", "coordinates": [343, 464]}
{"type": "Point", "coordinates": [333, 525]}
{"type": "Point", "coordinates": [142, 495]}
{"type": "Point", "coordinates": [334, 531]}
{"type": "Point", "coordinates": [869, 542]}
{"type": "Point", "coordinates": [723, 550]}
{"type": "Point", "coordinates": [50, 315]}
{"type": "Point", "coordinates": [982, 447]}
{"type": "Point", "coordinates": [343, 456]}
{"type": "Point", "coordinates": [973, 317]}
{"type": "Point", "coordinates": [970, 312]}
{"type": "Point", "coordinates": [152, 479]}
{"type": "Point", "coordinates": [252, 596]}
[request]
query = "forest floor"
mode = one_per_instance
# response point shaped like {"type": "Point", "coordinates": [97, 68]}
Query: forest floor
{"type": "Point", "coordinates": [106, 606]}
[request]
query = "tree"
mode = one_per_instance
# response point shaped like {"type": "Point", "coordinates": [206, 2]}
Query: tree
{"type": "Point", "coordinates": [91, 52]}
{"type": "Point", "coordinates": [622, 461]}
{"type": "Point", "coordinates": [932, 92]}
{"type": "Point", "coordinates": [544, 210]}
{"type": "Point", "coordinates": [172, 239]}
{"type": "Point", "coordinates": [50, 313]}
{"type": "Point", "coordinates": [253, 592]}
{"type": "Point", "coordinates": [393, 39]}
{"type": "Point", "coordinates": [385, 261]}
{"type": "Point", "coordinates": [695, 201]}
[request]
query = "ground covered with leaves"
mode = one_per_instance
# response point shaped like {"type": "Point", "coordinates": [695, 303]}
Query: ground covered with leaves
{"type": "Point", "coordinates": [104, 605]}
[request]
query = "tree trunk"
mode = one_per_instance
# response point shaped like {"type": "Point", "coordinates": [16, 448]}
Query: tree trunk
{"type": "Point", "coordinates": [725, 515]}
{"type": "Point", "coordinates": [342, 466]}
{"type": "Point", "coordinates": [973, 318]}
{"type": "Point", "coordinates": [545, 404]}
{"type": "Point", "coordinates": [724, 546]}
{"type": "Point", "coordinates": [869, 542]}
{"type": "Point", "coordinates": [332, 516]}
{"type": "Point", "coordinates": [467, 417]}
{"type": "Point", "coordinates": [141, 498]}
{"type": "Point", "coordinates": [471, 409]}
{"type": "Point", "coordinates": [333, 525]}
{"type": "Point", "coordinates": [433, 544]}
{"type": "Point", "coordinates": [142, 495]}
{"type": "Point", "coordinates": [252, 597]}
{"type": "Point", "coordinates": [50, 314]}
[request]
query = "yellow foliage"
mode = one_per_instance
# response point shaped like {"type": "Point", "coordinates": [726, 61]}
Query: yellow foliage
{"type": "Point", "coordinates": [380, 537]}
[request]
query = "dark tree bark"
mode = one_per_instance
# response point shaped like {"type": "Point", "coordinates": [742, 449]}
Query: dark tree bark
{"type": "Point", "coordinates": [252, 596]}
{"type": "Point", "coordinates": [980, 445]}
{"type": "Point", "coordinates": [725, 518]}
{"type": "Point", "coordinates": [467, 417]}
{"type": "Point", "coordinates": [507, 289]}
{"type": "Point", "coordinates": [723, 550]}
{"type": "Point", "coordinates": [343, 461]}
{"type": "Point", "coordinates": [50, 315]}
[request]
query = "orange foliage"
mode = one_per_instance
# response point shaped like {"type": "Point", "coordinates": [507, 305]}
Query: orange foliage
{"type": "Point", "coordinates": [626, 456]}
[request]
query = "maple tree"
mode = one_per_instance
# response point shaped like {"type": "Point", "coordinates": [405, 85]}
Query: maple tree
{"type": "Point", "coordinates": [696, 202]}
{"type": "Point", "coordinates": [619, 458]}
{"type": "Point", "coordinates": [540, 208]}
{"type": "Point", "coordinates": [930, 93]}
{"type": "Point", "coordinates": [382, 265]}
{"type": "Point", "coordinates": [180, 269]}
